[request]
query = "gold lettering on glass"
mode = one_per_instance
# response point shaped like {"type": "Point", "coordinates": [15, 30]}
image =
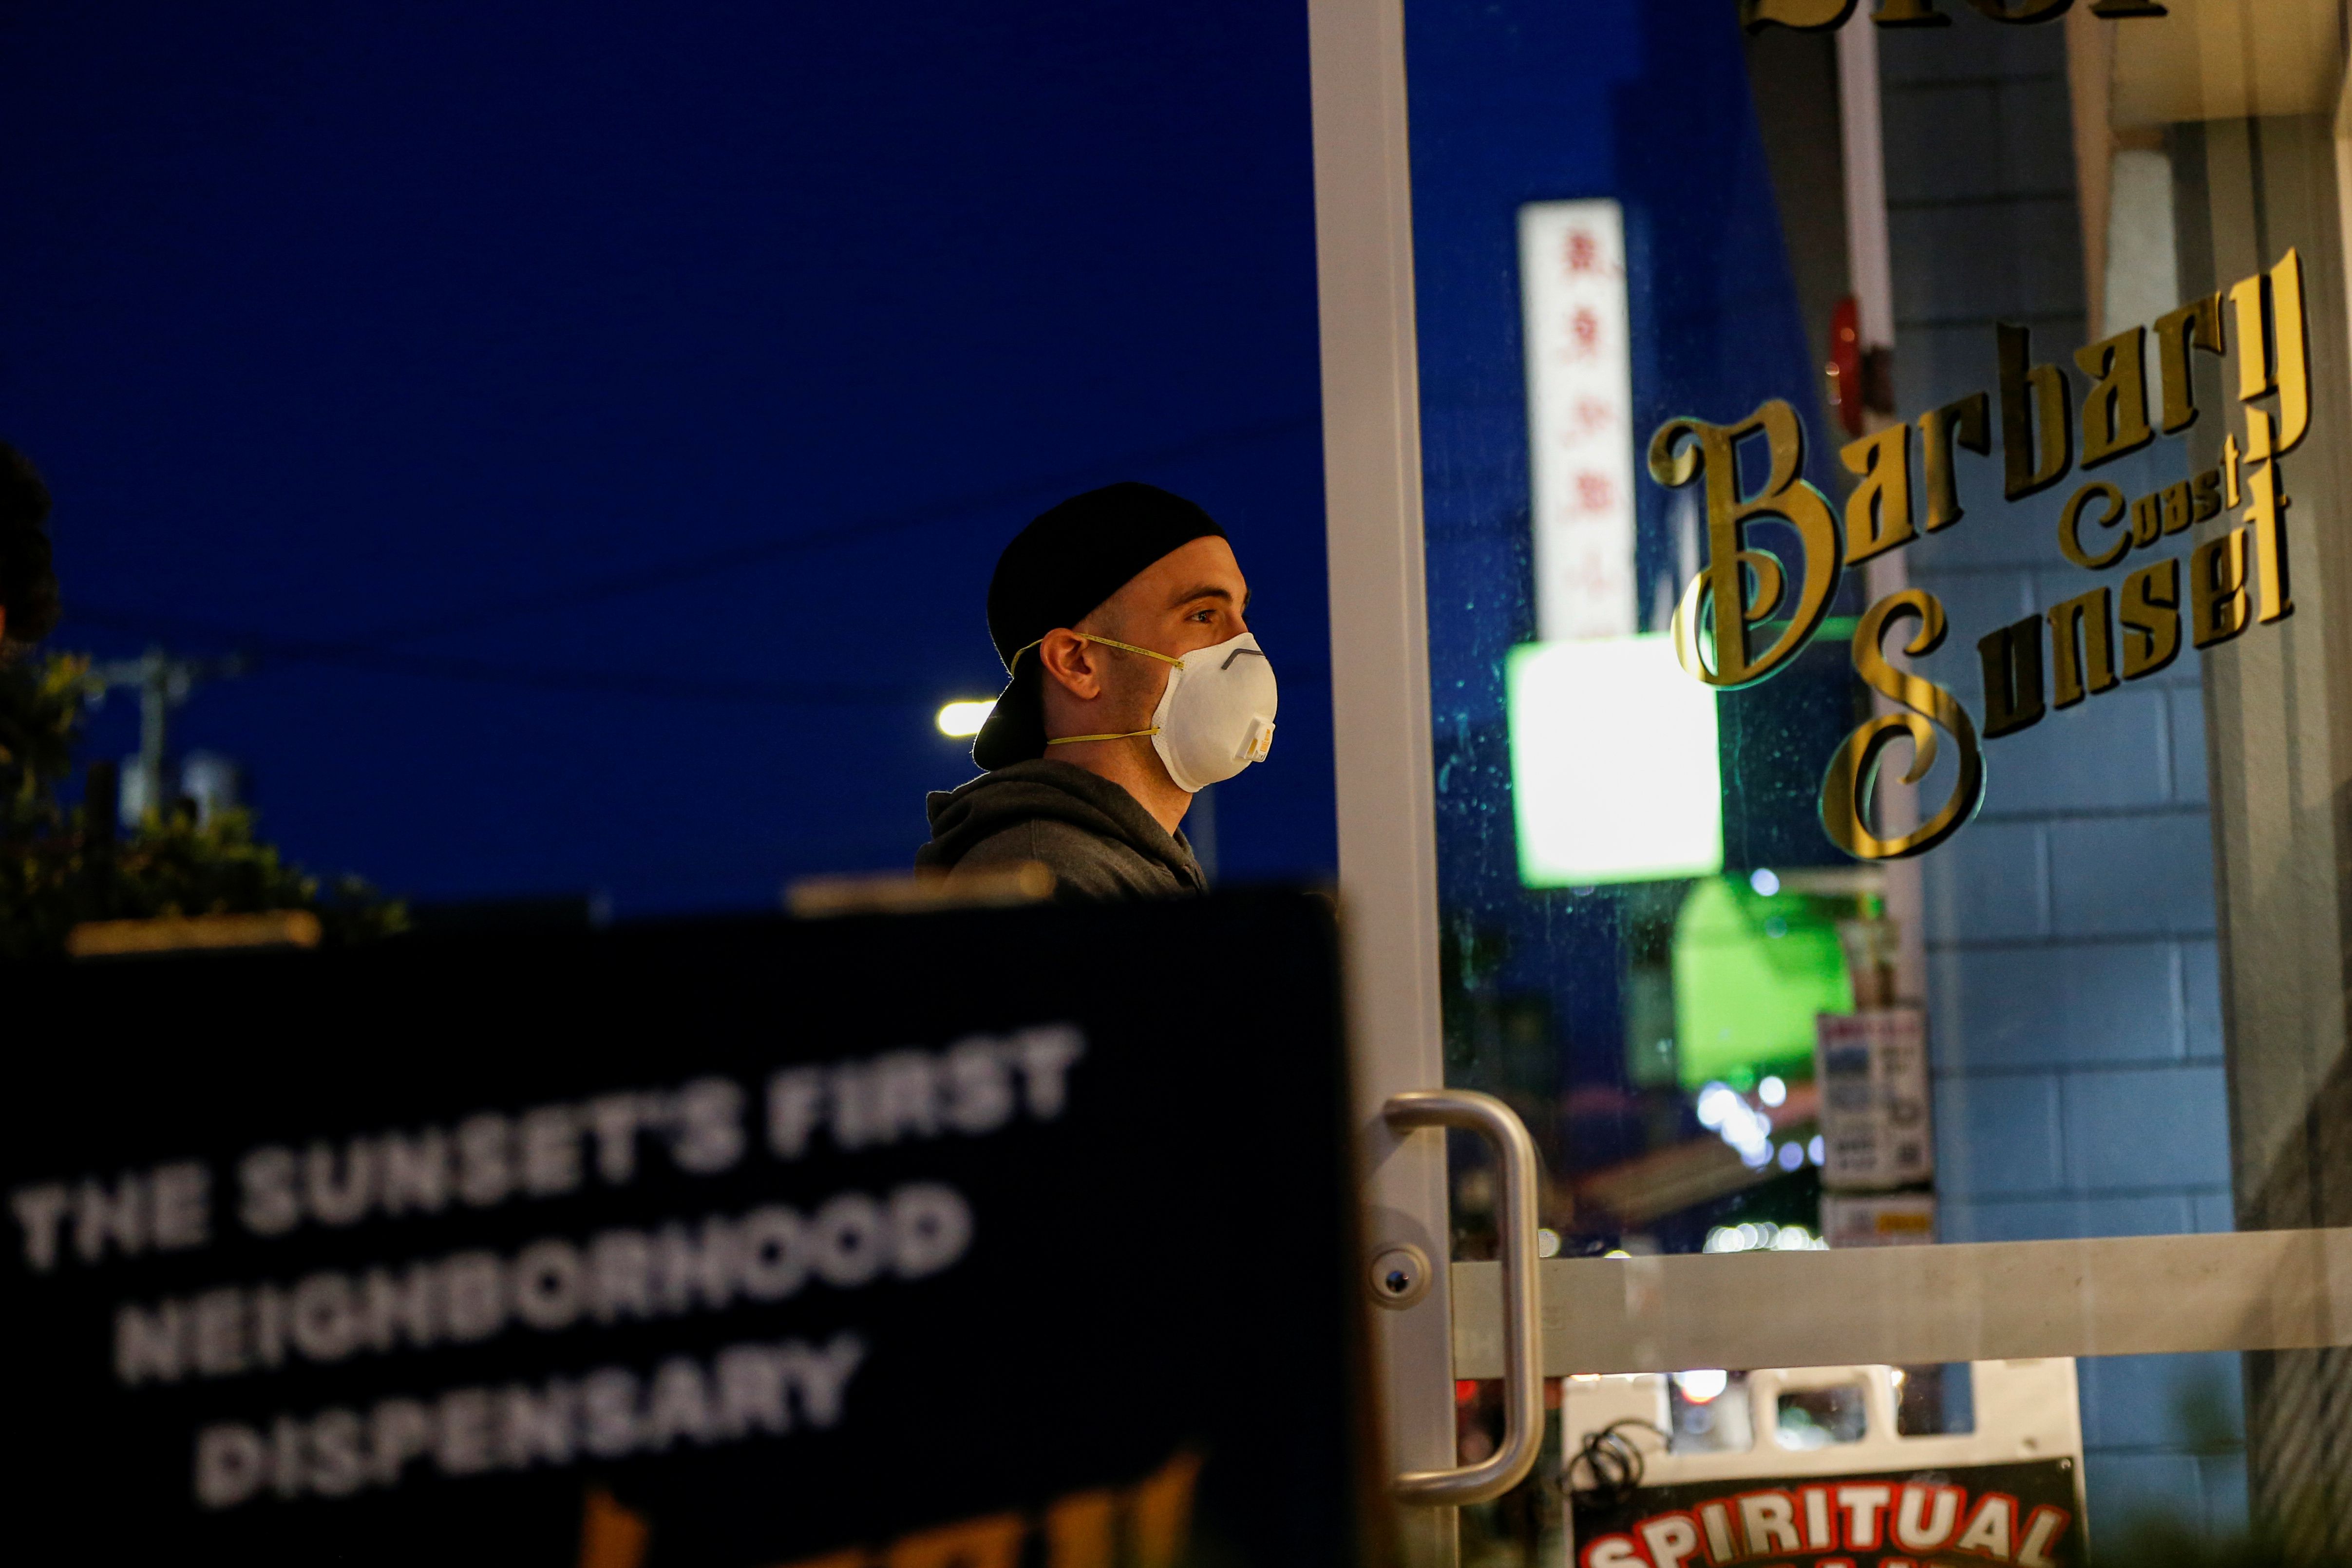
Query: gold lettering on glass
{"type": "Point", "coordinates": [2082, 649]}
{"type": "Point", "coordinates": [2292, 334]}
{"type": "Point", "coordinates": [1740, 587]}
{"type": "Point", "coordinates": [2253, 339]}
{"type": "Point", "coordinates": [2114, 411]}
{"type": "Point", "coordinates": [1805, 15]}
{"type": "Point", "coordinates": [2097, 639]}
{"type": "Point", "coordinates": [2069, 526]}
{"type": "Point", "coordinates": [2217, 588]}
{"type": "Point", "coordinates": [2037, 435]}
{"type": "Point", "coordinates": [2149, 614]}
{"type": "Point", "coordinates": [1822, 15]}
{"type": "Point", "coordinates": [1967, 422]}
{"type": "Point", "coordinates": [2207, 489]}
{"type": "Point", "coordinates": [2024, 12]}
{"type": "Point", "coordinates": [2265, 517]}
{"type": "Point", "coordinates": [1878, 513]}
{"type": "Point", "coordinates": [1910, 14]}
{"type": "Point", "coordinates": [2012, 677]}
{"type": "Point", "coordinates": [2196, 325]}
{"type": "Point", "coordinates": [1847, 787]}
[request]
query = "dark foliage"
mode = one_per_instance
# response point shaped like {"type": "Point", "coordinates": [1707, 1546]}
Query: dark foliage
{"type": "Point", "coordinates": [28, 582]}
{"type": "Point", "coordinates": [59, 866]}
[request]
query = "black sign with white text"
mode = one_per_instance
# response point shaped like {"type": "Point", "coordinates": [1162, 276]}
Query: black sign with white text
{"type": "Point", "coordinates": [915, 1240]}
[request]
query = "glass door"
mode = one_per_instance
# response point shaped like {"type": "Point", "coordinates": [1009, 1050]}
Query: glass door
{"type": "Point", "coordinates": [1842, 728]}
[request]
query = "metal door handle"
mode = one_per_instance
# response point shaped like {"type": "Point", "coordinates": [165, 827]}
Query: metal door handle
{"type": "Point", "coordinates": [1515, 1159]}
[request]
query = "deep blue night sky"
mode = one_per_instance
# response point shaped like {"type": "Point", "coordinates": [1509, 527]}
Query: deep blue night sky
{"type": "Point", "coordinates": [602, 420]}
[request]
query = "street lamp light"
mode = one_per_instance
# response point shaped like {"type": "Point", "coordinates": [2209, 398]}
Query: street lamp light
{"type": "Point", "coordinates": [961, 719]}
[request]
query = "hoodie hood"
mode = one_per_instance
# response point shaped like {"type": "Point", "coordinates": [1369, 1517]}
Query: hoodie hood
{"type": "Point", "coordinates": [1042, 791]}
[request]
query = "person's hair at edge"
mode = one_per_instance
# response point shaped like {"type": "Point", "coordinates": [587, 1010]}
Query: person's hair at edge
{"type": "Point", "coordinates": [29, 579]}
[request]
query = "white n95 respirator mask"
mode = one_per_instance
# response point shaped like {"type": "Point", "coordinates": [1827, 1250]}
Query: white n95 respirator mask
{"type": "Point", "coordinates": [1215, 717]}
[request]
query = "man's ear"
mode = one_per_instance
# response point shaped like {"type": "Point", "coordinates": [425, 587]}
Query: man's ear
{"type": "Point", "coordinates": [1071, 662]}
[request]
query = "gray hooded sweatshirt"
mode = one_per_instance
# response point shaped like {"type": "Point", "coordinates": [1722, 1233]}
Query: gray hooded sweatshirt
{"type": "Point", "coordinates": [1098, 839]}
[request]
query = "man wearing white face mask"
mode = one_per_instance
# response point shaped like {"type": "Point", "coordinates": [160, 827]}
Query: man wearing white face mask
{"type": "Point", "coordinates": [1135, 682]}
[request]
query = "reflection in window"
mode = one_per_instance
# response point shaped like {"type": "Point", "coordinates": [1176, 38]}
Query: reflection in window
{"type": "Point", "coordinates": [1934, 1401]}
{"type": "Point", "coordinates": [1710, 1412]}
{"type": "Point", "coordinates": [1817, 1418]}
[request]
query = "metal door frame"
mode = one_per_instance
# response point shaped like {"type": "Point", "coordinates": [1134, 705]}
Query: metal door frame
{"type": "Point", "coordinates": [2245, 1291]}
{"type": "Point", "coordinates": [1379, 702]}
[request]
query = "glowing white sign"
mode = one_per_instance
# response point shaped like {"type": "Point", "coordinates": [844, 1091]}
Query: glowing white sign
{"type": "Point", "coordinates": [1614, 774]}
{"type": "Point", "coordinates": [1579, 417]}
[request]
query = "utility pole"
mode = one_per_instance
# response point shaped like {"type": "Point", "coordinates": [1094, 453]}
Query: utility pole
{"type": "Point", "coordinates": [164, 683]}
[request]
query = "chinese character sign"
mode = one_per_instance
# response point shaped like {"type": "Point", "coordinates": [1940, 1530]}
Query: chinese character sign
{"type": "Point", "coordinates": [1579, 417]}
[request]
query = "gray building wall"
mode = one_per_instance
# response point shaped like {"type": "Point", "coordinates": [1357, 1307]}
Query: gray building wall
{"type": "Point", "coordinates": [2072, 975]}
{"type": "Point", "coordinates": [2244, 191]}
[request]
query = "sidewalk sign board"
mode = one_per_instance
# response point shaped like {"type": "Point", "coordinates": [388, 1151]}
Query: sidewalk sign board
{"type": "Point", "coordinates": [920, 1240]}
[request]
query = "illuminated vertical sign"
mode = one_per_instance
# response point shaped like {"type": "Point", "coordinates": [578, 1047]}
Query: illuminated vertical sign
{"type": "Point", "coordinates": [1579, 417]}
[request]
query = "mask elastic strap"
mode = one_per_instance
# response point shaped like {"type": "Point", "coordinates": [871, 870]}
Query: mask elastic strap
{"type": "Point", "coordinates": [1014, 664]}
{"type": "Point", "coordinates": [1108, 642]}
{"type": "Point", "coordinates": [1073, 739]}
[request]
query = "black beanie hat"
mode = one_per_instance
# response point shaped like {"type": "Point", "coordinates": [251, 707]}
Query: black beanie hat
{"type": "Point", "coordinates": [1054, 573]}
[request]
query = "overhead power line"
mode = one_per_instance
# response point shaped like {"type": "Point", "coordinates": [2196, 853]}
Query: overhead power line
{"type": "Point", "coordinates": [375, 647]}
{"type": "Point", "coordinates": [264, 648]}
{"type": "Point", "coordinates": [374, 650]}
